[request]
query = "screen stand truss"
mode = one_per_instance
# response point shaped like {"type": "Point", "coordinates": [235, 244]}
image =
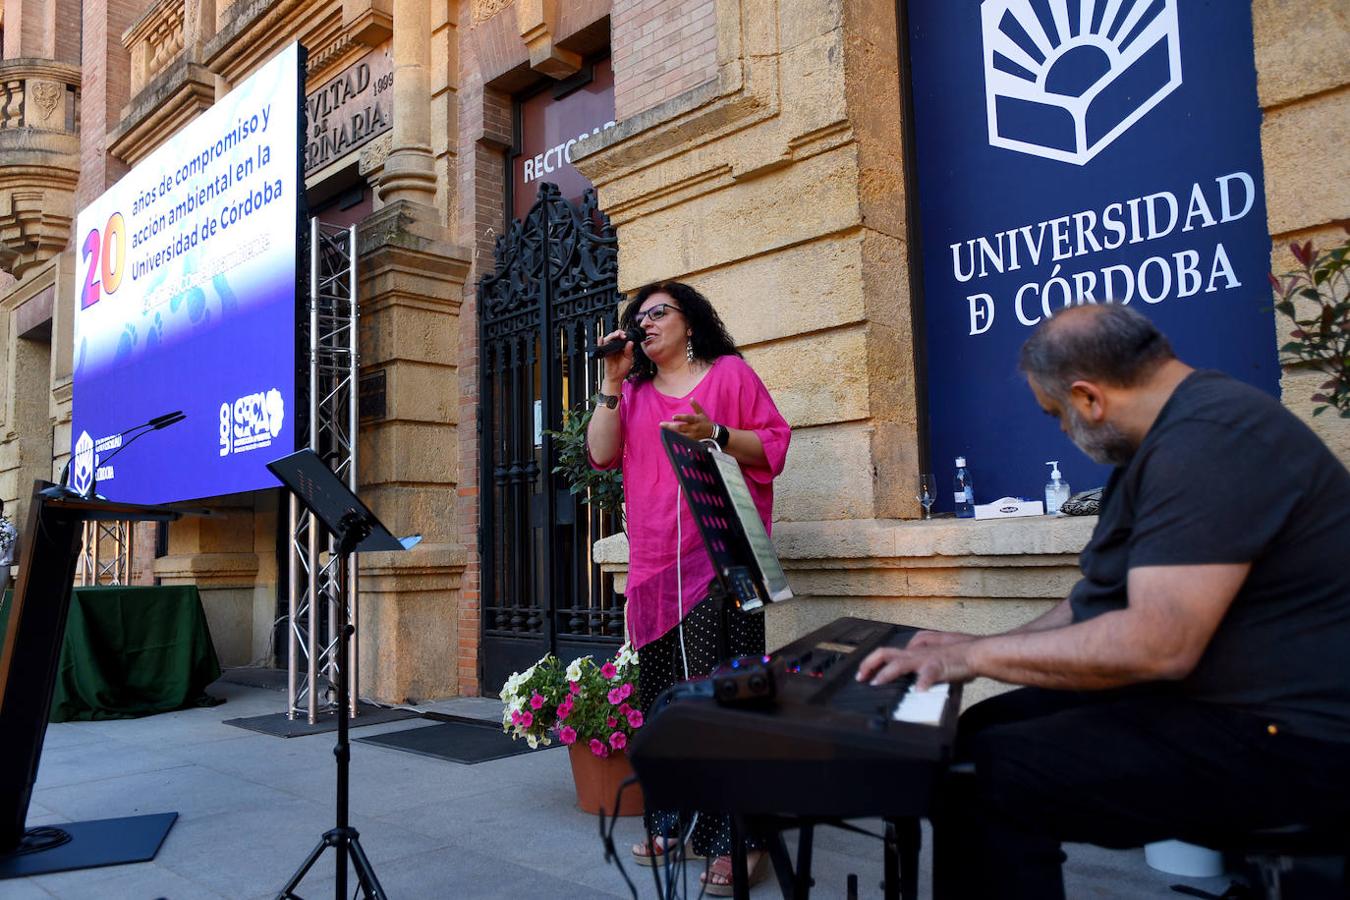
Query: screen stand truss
{"type": "Point", "coordinates": [313, 578]}
{"type": "Point", "coordinates": [106, 553]}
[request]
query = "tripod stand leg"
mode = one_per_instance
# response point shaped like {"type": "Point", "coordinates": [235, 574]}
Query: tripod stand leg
{"type": "Point", "coordinates": [343, 839]}
{"type": "Point", "coordinates": [365, 873]}
{"type": "Point", "coordinates": [288, 891]}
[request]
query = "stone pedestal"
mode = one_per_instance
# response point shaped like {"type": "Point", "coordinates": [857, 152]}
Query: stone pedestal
{"type": "Point", "coordinates": [218, 554]}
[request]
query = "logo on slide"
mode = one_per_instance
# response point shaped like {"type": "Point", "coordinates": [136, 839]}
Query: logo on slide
{"type": "Point", "coordinates": [82, 467]}
{"type": "Point", "coordinates": [251, 422]}
{"type": "Point", "coordinates": [1063, 80]}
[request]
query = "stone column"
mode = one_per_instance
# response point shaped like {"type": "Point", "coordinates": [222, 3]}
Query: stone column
{"type": "Point", "coordinates": [412, 279]}
{"type": "Point", "coordinates": [409, 173]}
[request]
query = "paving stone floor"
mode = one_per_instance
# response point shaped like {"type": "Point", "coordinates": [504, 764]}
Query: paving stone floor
{"type": "Point", "coordinates": [252, 806]}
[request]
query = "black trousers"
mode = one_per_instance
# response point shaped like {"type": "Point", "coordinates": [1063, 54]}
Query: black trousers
{"type": "Point", "coordinates": [661, 664]}
{"type": "Point", "coordinates": [1117, 769]}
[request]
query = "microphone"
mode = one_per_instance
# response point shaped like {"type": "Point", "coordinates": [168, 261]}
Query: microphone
{"type": "Point", "coordinates": [634, 334]}
{"type": "Point", "coordinates": [128, 438]}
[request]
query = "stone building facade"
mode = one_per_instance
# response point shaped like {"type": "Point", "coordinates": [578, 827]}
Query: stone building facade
{"type": "Point", "coordinates": [756, 152]}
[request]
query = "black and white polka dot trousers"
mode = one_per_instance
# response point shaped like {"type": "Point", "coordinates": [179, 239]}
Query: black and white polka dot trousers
{"type": "Point", "coordinates": [661, 665]}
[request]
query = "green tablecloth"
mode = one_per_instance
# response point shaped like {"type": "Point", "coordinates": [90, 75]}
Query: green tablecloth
{"type": "Point", "coordinates": [132, 651]}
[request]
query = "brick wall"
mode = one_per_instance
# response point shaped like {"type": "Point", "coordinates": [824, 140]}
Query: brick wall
{"type": "Point", "coordinates": [66, 45]}
{"type": "Point", "coordinates": [662, 48]}
{"type": "Point", "coordinates": [483, 140]}
{"type": "Point", "coordinates": [105, 90]}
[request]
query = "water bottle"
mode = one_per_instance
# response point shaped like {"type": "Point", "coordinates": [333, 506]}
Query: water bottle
{"type": "Point", "coordinates": [965, 491]}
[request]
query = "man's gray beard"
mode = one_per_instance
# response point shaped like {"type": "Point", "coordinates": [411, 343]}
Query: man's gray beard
{"type": "Point", "coordinates": [1104, 444]}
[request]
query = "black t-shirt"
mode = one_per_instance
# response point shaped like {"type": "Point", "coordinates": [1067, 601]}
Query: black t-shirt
{"type": "Point", "coordinates": [1228, 475]}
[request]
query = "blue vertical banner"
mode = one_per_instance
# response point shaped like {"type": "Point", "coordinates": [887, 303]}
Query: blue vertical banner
{"type": "Point", "coordinates": [1071, 152]}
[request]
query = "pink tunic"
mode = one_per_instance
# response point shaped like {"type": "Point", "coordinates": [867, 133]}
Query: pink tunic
{"type": "Point", "coordinates": [732, 394]}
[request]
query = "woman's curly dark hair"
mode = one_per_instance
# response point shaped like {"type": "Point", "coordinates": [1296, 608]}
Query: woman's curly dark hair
{"type": "Point", "coordinates": [709, 337]}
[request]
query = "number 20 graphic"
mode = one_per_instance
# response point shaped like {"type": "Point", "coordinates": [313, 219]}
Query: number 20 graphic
{"type": "Point", "coordinates": [113, 247]}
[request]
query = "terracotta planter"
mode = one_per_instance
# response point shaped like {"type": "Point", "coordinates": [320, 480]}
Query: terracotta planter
{"type": "Point", "coordinates": [598, 778]}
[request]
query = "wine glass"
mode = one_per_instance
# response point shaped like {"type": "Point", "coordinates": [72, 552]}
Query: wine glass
{"type": "Point", "coordinates": [927, 493]}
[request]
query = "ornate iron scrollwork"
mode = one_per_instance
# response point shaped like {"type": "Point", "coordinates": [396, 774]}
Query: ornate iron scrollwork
{"type": "Point", "coordinates": [553, 292]}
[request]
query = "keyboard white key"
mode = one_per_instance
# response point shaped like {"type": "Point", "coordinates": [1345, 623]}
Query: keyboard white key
{"type": "Point", "coordinates": [922, 707]}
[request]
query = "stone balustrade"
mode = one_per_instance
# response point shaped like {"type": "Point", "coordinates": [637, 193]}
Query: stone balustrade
{"type": "Point", "coordinates": [155, 42]}
{"type": "Point", "coordinates": [39, 94]}
{"type": "Point", "coordinates": [39, 118]}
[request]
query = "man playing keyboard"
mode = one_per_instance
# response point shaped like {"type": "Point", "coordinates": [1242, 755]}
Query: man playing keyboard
{"type": "Point", "coordinates": [1195, 684]}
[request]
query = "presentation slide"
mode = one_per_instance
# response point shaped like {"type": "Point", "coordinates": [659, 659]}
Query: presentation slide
{"type": "Point", "coordinates": [186, 300]}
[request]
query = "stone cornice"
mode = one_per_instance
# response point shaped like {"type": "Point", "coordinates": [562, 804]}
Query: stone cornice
{"type": "Point", "coordinates": [257, 30]}
{"type": "Point", "coordinates": [209, 569]}
{"type": "Point", "coordinates": [38, 280]}
{"type": "Point", "coordinates": [163, 108]}
{"type": "Point", "coordinates": [399, 226]}
{"type": "Point", "coordinates": [32, 67]}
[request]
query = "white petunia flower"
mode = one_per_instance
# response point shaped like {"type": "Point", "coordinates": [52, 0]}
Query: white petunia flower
{"type": "Point", "coordinates": [574, 670]}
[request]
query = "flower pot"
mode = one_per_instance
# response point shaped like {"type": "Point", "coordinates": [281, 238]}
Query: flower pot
{"type": "Point", "coordinates": [598, 778]}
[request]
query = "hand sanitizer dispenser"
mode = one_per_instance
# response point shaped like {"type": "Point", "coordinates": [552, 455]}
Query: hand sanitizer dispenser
{"type": "Point", "coordinates": [1056, 490]}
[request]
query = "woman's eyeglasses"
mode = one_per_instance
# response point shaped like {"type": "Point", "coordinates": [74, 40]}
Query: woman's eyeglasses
{"type": "Point", "coordinates": [654, 313]}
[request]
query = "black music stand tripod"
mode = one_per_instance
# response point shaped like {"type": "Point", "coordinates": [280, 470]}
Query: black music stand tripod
{"type": "Point", "coordinates": [356, 529]}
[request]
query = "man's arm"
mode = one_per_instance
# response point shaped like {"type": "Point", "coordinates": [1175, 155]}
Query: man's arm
{"type": "Point", "coordinates": [1057, 616]}
{"type": "Point", "coordinates": [1172, 614]}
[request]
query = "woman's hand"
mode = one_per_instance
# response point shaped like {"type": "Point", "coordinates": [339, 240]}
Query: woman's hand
{"type": "Point", "coordinates": [617, 365]}
{"type": "Point", "coordinates": [696, 425]}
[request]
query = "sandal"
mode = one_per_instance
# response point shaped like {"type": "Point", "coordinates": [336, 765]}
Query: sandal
{"type": "Point", "coordinates": [642, 857]}
{"type": "Point", "coordinates": [757, 861]}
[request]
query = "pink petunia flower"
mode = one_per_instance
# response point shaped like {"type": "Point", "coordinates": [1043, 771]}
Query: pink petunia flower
{"type": "Point", "coordinates": [608, 670]}
{"type": "Point", "coordinates": [615, 697]}
{"type": "Point", "coordinates": [624, 708]}
{"type": "Point", "coordinates": [618, 740]}
{"type": "Point", "coordinates": [515, 717]}
{"type": "Point", "coordinates": [635, 718]}
{"type": "Point", "coordinates": [568, 735]}
{"type": "Point", "coordinates": [598, 747]}
{"type": "Point", "coordinates": [574, 687]}
{"type": "Point", "coordinates": [611, 722]}
{"type": "Point", "coordinates": [563, 711]}
{"type": "Point", "coordinates": [527, 719]}
{"type": "Point", "coordinates": [626, 690]}
{"type": "Point", "coordinates": [537, 701]}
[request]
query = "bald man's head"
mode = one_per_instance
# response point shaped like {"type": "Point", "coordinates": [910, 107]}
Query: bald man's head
{"type": "Point", "coordinates": [1104, 344]}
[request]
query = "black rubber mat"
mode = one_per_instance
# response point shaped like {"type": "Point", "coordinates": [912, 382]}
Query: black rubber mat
{"type": "Point", "coordinates": [277, 725]}
{"type": "Point", "coordinates": [458, 740]}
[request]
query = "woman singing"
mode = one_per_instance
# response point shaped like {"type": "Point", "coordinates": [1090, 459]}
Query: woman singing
{"type": "Point", "coordinates": [687, 376]}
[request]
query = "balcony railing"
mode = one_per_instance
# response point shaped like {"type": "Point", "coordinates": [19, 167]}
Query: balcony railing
{"type": "Point", "coordinates": [155, 42]}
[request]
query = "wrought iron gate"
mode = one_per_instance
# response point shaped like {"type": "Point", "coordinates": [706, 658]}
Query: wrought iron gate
{"type": "Point", "coordinates": [554, 291]}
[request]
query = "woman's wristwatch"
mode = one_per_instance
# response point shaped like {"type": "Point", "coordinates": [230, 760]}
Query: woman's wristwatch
{"type": "Point", "coordinates": [609, 401]}
{"type": "Point", "coordinates": [721, 435]}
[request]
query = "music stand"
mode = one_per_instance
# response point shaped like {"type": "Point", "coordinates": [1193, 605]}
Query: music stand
{"type": "Point", "coordinates": [747, 568]}
{"type": "Point", "coordinates": [357, 530]}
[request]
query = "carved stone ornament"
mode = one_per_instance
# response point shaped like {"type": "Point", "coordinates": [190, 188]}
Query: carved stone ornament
{"type": "Point", "coordinates": [46, 95]}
